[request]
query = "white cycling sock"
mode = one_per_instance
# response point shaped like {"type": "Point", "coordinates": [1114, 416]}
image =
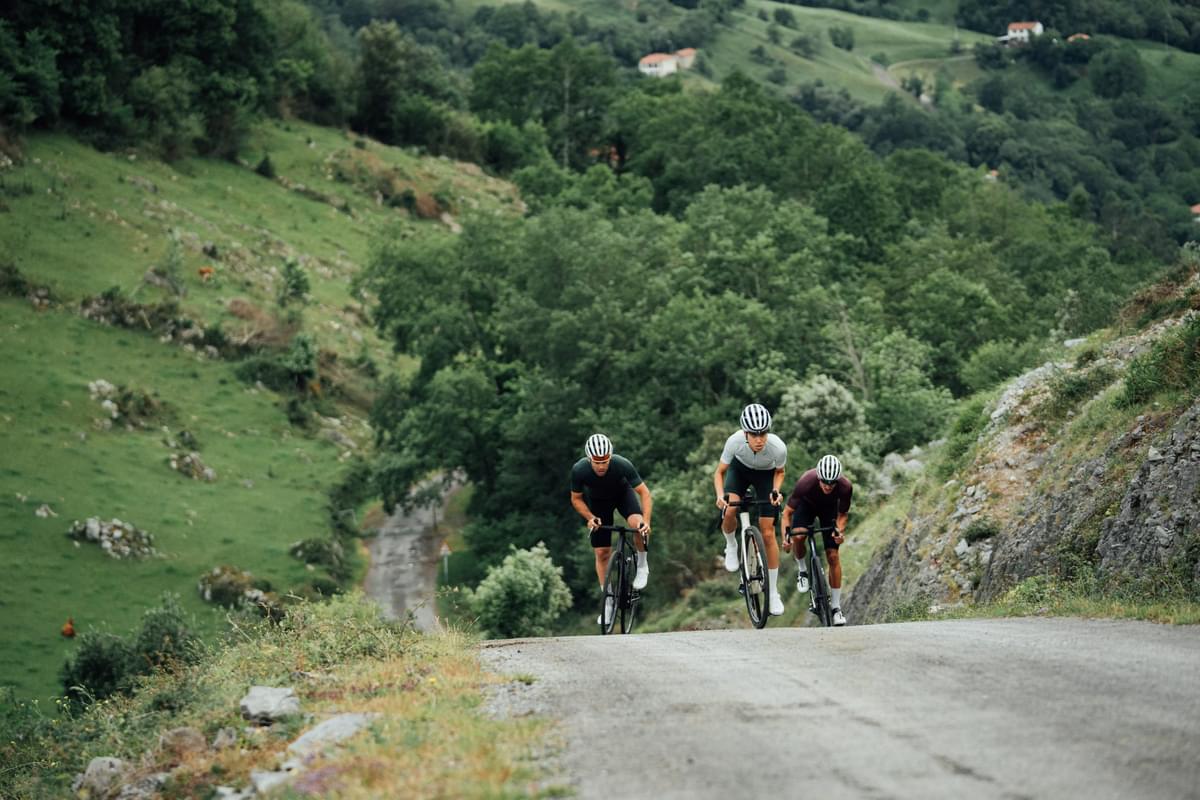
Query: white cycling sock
{"type": "Point", "coordinates": [800, 565]}
{"type": "Point", "coordinates": [641, 560]}
{"type": "Point", "coordinates": [773, 574]}
{"type": "Point", "coordinates": [729, 538]}
{"type": "Point", "coordinates": [836, 597]}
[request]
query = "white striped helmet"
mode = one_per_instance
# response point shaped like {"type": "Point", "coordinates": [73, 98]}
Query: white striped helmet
{"type": "Point", "coordinates": [756, 418]}
{"type": "Point", "coordinates": [829, 469]}
{"type": "Point", "coordinates": [598, 446]}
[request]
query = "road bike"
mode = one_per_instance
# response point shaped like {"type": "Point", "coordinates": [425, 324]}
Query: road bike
{"type": "Point", "coordinates": [619, 593]}
{"type": "Point", "coordinates": [752, 555]}
{"type": "Point", "coordinates": [818, 587]}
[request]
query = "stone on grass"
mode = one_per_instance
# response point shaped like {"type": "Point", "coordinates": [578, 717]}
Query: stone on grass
{"type": "Point", "coordinates": [102, 775]}
{"type": "Point", "coordinates": [268, 704]}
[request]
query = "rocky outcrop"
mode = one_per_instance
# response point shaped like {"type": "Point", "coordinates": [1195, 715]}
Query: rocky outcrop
{"type": "Point", "coordinates": [1126, 505]}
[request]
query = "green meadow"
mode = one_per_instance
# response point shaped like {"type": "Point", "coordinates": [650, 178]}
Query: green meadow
{"type": "Point", "coordinates": [81, 221]}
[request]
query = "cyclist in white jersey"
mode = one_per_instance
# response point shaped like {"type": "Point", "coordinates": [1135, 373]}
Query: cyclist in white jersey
{"type": "Point", "coordinates": [752, 457]}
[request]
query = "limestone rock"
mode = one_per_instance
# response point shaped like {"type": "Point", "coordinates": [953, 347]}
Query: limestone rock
{"type": "Point", "coordinates": [268, 704]}
{"type": "Point", "coordinates": [103, 774]}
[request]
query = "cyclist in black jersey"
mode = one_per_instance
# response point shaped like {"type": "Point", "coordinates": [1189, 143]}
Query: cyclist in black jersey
{"type": "Point", "coordinates": [603, 482]}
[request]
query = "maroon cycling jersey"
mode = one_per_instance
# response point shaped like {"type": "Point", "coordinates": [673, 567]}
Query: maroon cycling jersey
{"type": "Point", "coordinates": [825, 506]}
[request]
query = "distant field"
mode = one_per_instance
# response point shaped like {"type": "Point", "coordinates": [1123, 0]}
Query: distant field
{"type": "Point", "coordinates": [269, 492]}
{"type": "Point", "coordinates": [83, 221]}
{"type": "Point", "coordinates": [850, 70]}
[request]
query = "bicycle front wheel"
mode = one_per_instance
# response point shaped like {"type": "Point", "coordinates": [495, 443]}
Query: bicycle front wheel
{"type": "Point", "coordinates": [756, 582]}
{"type": "Point", "coordinates": [628, 596]}
{"type": "Point", "coordinates": [820, 589]}
{"type": "Point", "coordinates": [611, 596]}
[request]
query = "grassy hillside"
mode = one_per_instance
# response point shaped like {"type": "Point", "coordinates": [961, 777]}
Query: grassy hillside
{"type": "Point", "coordinates": [852, 70]}
{"type": "Point", "coordinates": [79, 222]}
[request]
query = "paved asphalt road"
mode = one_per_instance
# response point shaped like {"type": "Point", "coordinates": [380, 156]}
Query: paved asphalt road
{"type": "Point", "coordinates": [1017, 708]}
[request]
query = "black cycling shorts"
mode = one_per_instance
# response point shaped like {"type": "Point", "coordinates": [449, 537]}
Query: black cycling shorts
{"type": "Point", "coordinates": [805, 515]}
{"type": "Point", "coordinates": [738, 476]}
{"type": "Point", "coordinates": [628, 504]}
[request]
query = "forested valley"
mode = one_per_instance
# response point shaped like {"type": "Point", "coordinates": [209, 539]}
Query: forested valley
{"type": "Point", "coordinates": [686, 246]}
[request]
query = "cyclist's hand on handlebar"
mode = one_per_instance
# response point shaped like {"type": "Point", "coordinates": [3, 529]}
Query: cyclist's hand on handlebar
{"type": "Point", "coordinates": [776, 497]}
{"type": "Point", "coordinates": [594, 523]}
{"type": "Point", "coordinates": [839, 536]}
{"type": "Point", "coordinates": [723, 503]}
{"type": "Point", "coordinates": [644, 529]}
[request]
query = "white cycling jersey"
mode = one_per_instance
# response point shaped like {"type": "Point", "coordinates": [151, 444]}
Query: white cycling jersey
{"type": "Point", "coordinates": [772, 456]}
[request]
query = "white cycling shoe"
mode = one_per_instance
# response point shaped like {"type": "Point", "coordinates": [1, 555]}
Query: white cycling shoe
{"type": "Point", "coordinates": [776, 604]}
{"type": "Point", "coordinates": [839, 618]}
{"type": "Point", "coordinates": [731, 557]}
{"type": "Point", "coordinates": [802, 582]}
{"type": "Point", "coordinates": [608, 611]}
{"type": "Point", "coordinates": [642, 577]}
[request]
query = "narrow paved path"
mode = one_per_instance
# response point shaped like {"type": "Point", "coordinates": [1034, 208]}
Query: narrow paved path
{"type": "Point", "coordinates": [1027, 708]}
{"type": "Point", "coordinates": [402, 576]}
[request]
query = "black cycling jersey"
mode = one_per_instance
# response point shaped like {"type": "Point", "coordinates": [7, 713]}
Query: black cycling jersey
{"type": "Point", "coordinates": [621, 475]}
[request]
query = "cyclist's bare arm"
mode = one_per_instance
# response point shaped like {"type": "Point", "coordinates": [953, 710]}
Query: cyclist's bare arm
{"type": "Point", "coordinates": [840, 534]}
{"type": "Point", "coordinates": [581, 507]}
{"type": "Point", "coordinates": [719, 483]}
{"type": "Point", "coordinates": [643, 493]}
{"type": "Point", "coordinates": [777, 498]}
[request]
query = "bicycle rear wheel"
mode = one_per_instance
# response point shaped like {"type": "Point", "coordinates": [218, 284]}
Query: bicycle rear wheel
{"type": "Point", "coordinates": [755, 580]}
{"type": "Point", "coordinates": [611, 596]}
{"type": "Point", "coordinates": [820, 589]}
{"type": "Point", "coordinates": [628, 603]}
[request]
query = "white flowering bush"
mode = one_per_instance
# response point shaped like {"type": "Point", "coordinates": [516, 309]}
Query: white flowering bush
{"type": "Point", "coordinates": [522, 596]}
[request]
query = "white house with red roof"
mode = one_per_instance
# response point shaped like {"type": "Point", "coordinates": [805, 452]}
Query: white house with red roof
{"type": "Point", "coordinates": [1020, 32]}
{"type": "Point", "coordinates": [660, 65]}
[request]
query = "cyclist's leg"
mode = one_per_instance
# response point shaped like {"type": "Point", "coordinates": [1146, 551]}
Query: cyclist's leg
{"type": "Point", "coordinates": [834, 560]}
{"type": "Point", "coordinates": [631, 509]}
{"type": "Point", "coordinates": [802, 520]}
{"type": "Point", "coordinates": [602, 540]}
{"type": "Point", "coordinates": [763, 481]}
{"type": "Point", "coordinates": [735, 486]}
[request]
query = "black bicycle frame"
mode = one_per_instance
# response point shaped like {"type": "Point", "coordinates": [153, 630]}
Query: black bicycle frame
{"type": "Point", "coordinates": [626, 554]}
{"type": "Point", "coordinates": [818, 590]}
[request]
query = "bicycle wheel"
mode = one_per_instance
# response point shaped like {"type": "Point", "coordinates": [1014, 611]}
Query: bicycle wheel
{"type": "Point", "coordinates": [755, 580]}
{"type": "Point", "coordinates": [820, 590]}
{"type": "Point", "coordinates": [611, 595]}
{"type": "Point", "coordinates": [628, 603]}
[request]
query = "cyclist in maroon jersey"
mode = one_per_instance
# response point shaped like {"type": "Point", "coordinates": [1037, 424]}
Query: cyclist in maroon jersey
{"type": "Point", "coordinates": [821, 494]}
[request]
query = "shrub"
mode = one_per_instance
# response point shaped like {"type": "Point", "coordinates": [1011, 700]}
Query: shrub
{"type": "Point", "coordinates": [980, 528]}
{"type": "Point", "coordinates": [819, 416]}
{"type": "Point", "coordinates": [522, 596]}
{"type": "Point", "coordinates": [964, 433]}
{"type": "Point", "coordinates": [107, 664]}
{"type": "Point", "coordinates": [265, 167]}
{"type": "Point", "coordinates": [1069, 389]}
{"type": "Point", "coordinates": [842, 36]}
{"type": "Point", "coordinates": [295, 285]}
{"type": "Point", "coordinates": [1172, 364]}
{"type": "Point", "coordinates": [778, 76]}
{"type": "Point", "coordinates": [997, 360]}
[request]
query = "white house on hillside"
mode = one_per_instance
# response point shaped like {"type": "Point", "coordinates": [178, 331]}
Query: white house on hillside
{"type": "Point", "coordinates": [660, 65]}
{"type": "Point", "coordinates": [1019, 32]}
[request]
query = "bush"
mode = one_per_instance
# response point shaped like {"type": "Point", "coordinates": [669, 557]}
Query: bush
{"type": "Point", "coordinates": [295, 285]}
{"type": "Point", "coordinates": [964, 433]}
{"type": "Point", "coordinates": [819, 416]}
{"type": "Point", "coordinates": [1173, 364]}
{"type": "Point", "coordinates": [522, 596]}
{"type": "Point", "coordinates": [994, 361]}
{"type": "Point", "coordinates": [842, 36]}
{"type": "Point", "coordinates": [980, 528]}
{"type": "Point", "coordinates": [266, 168]}
{"type": "Point", "coordinates": [107, 664]}
{"type": "Point", "coordinates": [1069, 389]}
